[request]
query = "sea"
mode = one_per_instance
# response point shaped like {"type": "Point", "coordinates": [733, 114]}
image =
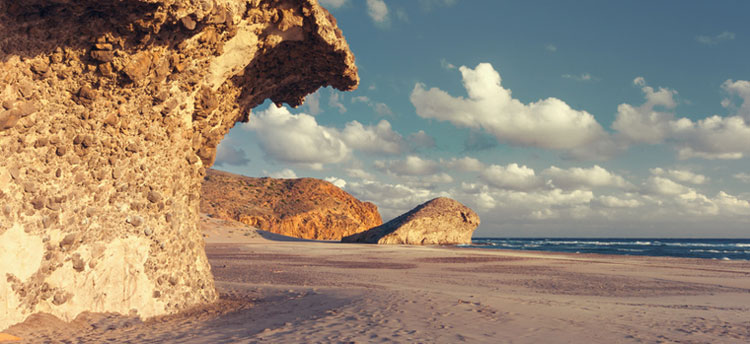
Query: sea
{"type": "Point", "coordinates": [722, 249]}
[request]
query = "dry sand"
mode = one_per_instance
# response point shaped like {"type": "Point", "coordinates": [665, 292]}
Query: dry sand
{"type": "Point", "coordinates": [277, 290]}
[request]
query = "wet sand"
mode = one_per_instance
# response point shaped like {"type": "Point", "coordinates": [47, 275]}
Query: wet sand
{"type": "Point", "coordinates": [280, 290]}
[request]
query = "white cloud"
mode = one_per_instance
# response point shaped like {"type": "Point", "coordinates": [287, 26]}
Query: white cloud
{"type": "Point", "coordinates": [664, 186]}
{"type": "Point", "coordinates": [731, 204]}
{"type": "Point", "coordinates": [550, 48]}
{"type": "Point", "coordinates": [713, 137]}
{"type": "Point", "coordinates": [373, 139]}
{"type": "Point", "coordinates": [340, 183]}
{"type": "Point", "coordinates": [466, 164]}
{"type": "Point", "coordinates": [420, 139]}
{"type": "Point", "coordinates": [547, 123]}
{"type": "Point", "coordinates": [285, 174]}
{"type": "Point", "coordinates": [392, 199]}
{"type": "Point", "coordinates": [335, 102]}
{"type": "Point", "coordinates": [743, 177]}
{"type": "Point", "coordinates": [296, 139]}
{"type": "Point", "coordinates": [683, 176]}
{"type": "Point", "coordinates": [300, 140]}
{"type": "Point", "coordinates": [361, 99]}
{"type": "Point", "coordinates": [643, 123]}
{"type": "Point", "coordinates": [512, 177]}
{"type": "Point", "coordinates": [577, 177]}
{"type": "Point", "coordinates": [580, 77]}
{"type": "Point", "coordinates": [359, 173]}
{"type": "Point", "coordinates": [712, 40]}
{"type": "Point", "coordinates": [742, 89]}
{"type": "Point", "coordinates": [412, 165]}
{"type": "Point", "coordinates": [447, 65]}
{"type": "Point", "coordinates": [615, 202]}
{"type": "Point", "coordinates": [228, 154]}
{"type": "Point", "coordinates": [312, 103]}
{"type": "Point", "coordinates": [378, 11]}
{"type": "Point", "coordinates": [382, 109]}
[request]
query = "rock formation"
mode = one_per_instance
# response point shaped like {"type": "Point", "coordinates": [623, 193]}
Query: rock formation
{"type": "Point", "coordinates": [441, 221]}
{"type": "Point", "coordinates": [110, 111]}
{"type": "Point", "coordinates": [305, 208]}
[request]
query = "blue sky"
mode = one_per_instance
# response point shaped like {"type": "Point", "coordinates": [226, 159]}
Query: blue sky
{"type": "Point", "coordinates": [548, 118]}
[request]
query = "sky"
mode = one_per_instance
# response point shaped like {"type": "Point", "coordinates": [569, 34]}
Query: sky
{"type": "Point", "coordinates": [548, 118]}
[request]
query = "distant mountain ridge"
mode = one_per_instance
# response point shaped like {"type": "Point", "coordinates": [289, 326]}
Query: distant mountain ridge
{"type": "Point", "coordinates": [303, 208]}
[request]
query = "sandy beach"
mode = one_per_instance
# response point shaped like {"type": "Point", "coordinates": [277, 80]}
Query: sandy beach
{"type": "Point", "coordinates": [280, 290]}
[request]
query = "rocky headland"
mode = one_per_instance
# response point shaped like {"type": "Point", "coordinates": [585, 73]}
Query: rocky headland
{"type": "Point", "coordinates": [305, 208]}
{"type": "Point", "coordinates": [110, 112]}
{"type": "Point", "coordinates": [441, 221]}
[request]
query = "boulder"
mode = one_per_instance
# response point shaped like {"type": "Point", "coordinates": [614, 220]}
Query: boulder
{"type": "Point", "coordinates": [110, 223]}
{"type": "Point", "coordinates": [441, 221]}
{"type": "Point", "coordinates": [305, 208]}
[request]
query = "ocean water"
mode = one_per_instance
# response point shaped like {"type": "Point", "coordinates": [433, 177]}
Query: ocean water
{"type": "Point", "coordinates": [725, 249]}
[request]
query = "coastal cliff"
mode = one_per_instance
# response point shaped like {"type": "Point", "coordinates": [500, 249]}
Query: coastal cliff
{"type": "Point", "coordinates": [110, 112]}
{"type": "Point", "coordinates": [302, 208]}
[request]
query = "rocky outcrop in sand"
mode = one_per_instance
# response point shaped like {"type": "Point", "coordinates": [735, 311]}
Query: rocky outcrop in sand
{"type": "Point", "coordinates": [302, 208]}
{"type": "Point", "coordinates": [110, 111]}
{"type": "Point", "coordinates": [441, 221]}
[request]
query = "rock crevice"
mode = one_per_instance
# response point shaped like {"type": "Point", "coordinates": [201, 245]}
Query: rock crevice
{"type": "Point", "coordinates": [110, 112]}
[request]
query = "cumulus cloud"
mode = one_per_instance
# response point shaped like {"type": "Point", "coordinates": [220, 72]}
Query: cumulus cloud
{"type": "Point", "coordinates": [359, 173]}
{"type": "Point", "coordinates": [584, 178]}
{"type": "Point", "coordinates": [551, 48]}
{"type": "Point", "coordinates": [644, 123]}
{"type": "Point", "coordinates": [335, 102]}
{"type": "Point", "coordinates": [420, 140]}
{"type": "Point", "coordinates": [228, 154]}
{"type": "Point", "coordinates": [378, 11]}
{"type": "Point", "coordinates": [340, 183]}
{"type": "Point", "coordinates": [714, 137]}
{"type": "Point", "coordinates": [466, 164]}
{"type": "Point", "coordinates": [379, 138]}
{"type": "Point", "coordinates": [312, 103]}
{"type": "Point", "coordinates": [284, 174]}
{"type": "Point", "coordinates": [740, 88]}
{"type": "Point", "coordinates": [616, 202]}
{"type": "Point", "coordinates": [512, 177]}
{"type": "Point", "coordinates": [382, 109]}
{"type": "Point", "coordinates": [664, 186]}
{"type": "Point", "coordinates": [392, 199]}
{"type": "Point", "coordinates": [296, 139]}
{"type": "Point", "coordinates": [300, 140]}
{"type": "Point", "coordinates": [683, 176]}
{"type": "Point", "coordinates": [412, 165]}
{"type": "Point", "coordinates": [547, 123]}
{"type": "Point", "coordinates": [712, 40]}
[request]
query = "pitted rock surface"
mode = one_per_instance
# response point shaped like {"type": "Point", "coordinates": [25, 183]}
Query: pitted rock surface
{"type": "Point", "coordinates": [441, 221]}
{"type": "Point", "coordinates": [305, 208]}
{"type": "Point", "coordinates": [110, 112]}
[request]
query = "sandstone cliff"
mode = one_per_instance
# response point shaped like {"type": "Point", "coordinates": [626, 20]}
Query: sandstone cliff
{"type": "Point", "coordinates": [110, 111]}
{"type": "Point", "coordinates": [441, 221]}
{"type": "Point", "coordinates": [305, 208]}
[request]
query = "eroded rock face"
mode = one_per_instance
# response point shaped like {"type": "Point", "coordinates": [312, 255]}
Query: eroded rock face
{"type": "Point", "coordinates": [441, 221]}
{"type": "Point", "coordinates": [110, 111]}
{"type": "Point", "coordinates": [302, 208]}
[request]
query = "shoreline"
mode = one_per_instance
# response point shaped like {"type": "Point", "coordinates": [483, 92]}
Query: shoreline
{"type": "Point", "coordinates": [287, 290]}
